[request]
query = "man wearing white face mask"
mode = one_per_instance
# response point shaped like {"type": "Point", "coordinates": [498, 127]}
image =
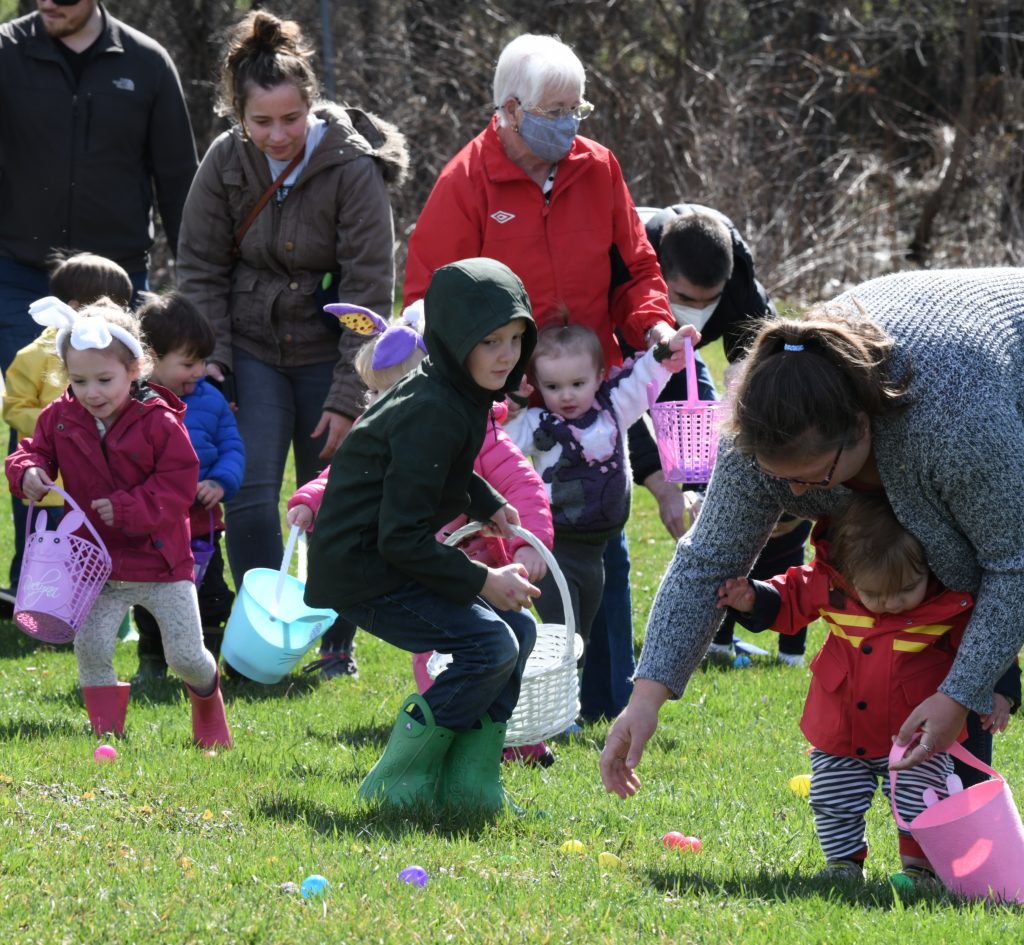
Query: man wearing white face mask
{"type": "Point", "coordinates": [709, 271]}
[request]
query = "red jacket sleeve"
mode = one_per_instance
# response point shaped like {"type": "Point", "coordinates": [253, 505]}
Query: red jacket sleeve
{"type": "Point", "coordinates": [641, 302]}
{"type": "Point", "coordinates": [36, 450]}
{"type": "Point", "coordinates": [448, 228]}
{"type": "Point", "coordinates": [803, 592]}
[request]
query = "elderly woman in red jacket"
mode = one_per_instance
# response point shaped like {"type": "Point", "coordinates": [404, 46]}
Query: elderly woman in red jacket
{"type": "Point", "coordinates": [554, 207]}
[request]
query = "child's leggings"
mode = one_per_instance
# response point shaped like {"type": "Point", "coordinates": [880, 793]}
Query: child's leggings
{"type": "Point", "coordinates": [841, 792]}
{"type": "Point", "coordinates": [176, 610]}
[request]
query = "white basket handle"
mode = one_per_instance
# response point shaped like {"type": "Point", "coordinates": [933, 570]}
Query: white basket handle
{"type": "Point", "coordinates": [289, 550]}
{"type": "Point", "coordinates": [471, 528]}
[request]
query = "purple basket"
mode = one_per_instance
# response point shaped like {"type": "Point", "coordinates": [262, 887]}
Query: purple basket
{"type": "Point", "coordinates": [687, 430]}
{"type": "Point", "coordinates": [61, 576]}
{"type": "Point", "coordinates": [202, 552]}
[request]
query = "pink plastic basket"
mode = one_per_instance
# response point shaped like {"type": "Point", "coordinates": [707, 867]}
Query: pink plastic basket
{"type": "Point", "coordinates": [202, 552]}
{"type": "Point", "coordinates": [687, 430]}
{"type": "Point", "coordinates": [973, 839]}
{"type": "Point", "coordinates": [61, 576]}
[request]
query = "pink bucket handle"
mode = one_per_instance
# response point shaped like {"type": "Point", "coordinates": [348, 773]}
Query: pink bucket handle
{"type": "Point", "coordinates": [956, 750]}
{"type": "Point", "coordinates": [692, 394]}
{"type": "Point", "coordinates": [76, 507]}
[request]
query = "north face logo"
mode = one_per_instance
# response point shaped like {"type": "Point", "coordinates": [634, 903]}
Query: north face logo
{"type": "Point", "coordinates": [502, 216]}
{"type": "Point", "coordinates": [125, 85]}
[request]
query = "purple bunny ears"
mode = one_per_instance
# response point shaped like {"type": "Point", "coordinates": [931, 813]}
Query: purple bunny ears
{"type": "Point", "coordinates": [395, 342]}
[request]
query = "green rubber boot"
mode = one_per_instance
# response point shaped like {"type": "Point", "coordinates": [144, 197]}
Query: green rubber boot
{"type": "Point", "coordinates": [408, 771]}
{"type": "Point", "coordinates": [472, 770]}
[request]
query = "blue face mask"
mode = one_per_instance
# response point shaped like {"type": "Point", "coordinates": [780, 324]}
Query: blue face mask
{"type": "Point", "coordinates": [549, 138]}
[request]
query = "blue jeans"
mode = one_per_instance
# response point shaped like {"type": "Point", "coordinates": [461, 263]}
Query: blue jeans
{"type": "Point", "coordinates": [489, 649]}
{"type": "Point", "coordinates": [20, 286]}
{"type": "Point", "coordinates": [608, 671]}
{"type": "Point", "coordinates": [278, 408]}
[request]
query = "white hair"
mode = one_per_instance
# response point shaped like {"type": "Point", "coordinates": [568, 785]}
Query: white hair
{"type": "Point", "coordinates": [531, 66]}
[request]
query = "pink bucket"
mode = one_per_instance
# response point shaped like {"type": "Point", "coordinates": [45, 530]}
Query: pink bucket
{"type": "Point", "coordinates": [973, 839]}
{"type": "Point", "coordinates": [61, 576]}
{"type": "Point", "coordinates": [687, 430]}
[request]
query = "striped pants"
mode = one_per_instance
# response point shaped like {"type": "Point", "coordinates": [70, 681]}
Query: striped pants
{"type": "Point", "coordinates": [842, 789]}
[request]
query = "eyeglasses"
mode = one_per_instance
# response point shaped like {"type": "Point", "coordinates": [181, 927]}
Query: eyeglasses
{"type": "Point", "coordinates": [579, 112]}
{"type": "Point", "coordinates": [820, 483]}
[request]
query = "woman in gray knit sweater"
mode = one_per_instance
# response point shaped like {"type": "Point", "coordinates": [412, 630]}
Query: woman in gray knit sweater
{"type": "Point", "coordinates": [912, 384]}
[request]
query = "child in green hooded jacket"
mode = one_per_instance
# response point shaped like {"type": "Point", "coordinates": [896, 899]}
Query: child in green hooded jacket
{"type": "Point", "coordinates": [404, 471]}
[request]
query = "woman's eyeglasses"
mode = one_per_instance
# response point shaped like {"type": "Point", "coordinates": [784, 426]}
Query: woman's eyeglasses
{"type": "Point", "coordinates": [579, 112]}
{"type": "Point", "coordinates": [820, 483]}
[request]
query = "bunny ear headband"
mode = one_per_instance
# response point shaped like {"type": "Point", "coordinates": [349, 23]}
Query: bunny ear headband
{"type": "Point", "coordinates": [92, 332]}
{"type": "Point", "coordinates": [395, 342]}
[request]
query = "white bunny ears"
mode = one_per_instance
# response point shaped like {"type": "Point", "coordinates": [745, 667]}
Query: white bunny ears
{"type": "Point", "coordinates": [92, 332]}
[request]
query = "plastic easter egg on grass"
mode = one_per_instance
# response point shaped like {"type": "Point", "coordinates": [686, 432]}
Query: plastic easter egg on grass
{"type": "Point", "coordinates": [414, 876]}
{"type": "Point", "coordinates": [741, 662]}
{"type": "Point", "coordinates": [609, 860]}
{"type": "Point", "coordinates": [572, 846]}
{"type": "Point", "coordinates": [682, 843]}
{"type": "Point", "coordinates": [315, 885]}
{"type": "Point", "coordinates": [800, 785]}
{"type": "Point", "coordinates": [105, 753]}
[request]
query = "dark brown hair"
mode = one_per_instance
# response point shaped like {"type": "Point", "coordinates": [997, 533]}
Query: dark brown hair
{"type": "Point", "coordinates": [86, 277]}
{"type": "Point", "coordinates": [808, 386]}
{"type": "Point", "coordinates": [869, 545]}
{"type": "Point", "coordinates": [171, 323]}
{"type": "Point", "coordinates": [698, 247]}
{"type": "Point", "coordinates": [265, 51]}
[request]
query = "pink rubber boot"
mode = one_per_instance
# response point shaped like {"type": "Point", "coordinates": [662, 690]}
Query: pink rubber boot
{"type": "Point", "coordinates": [209, 723]}
{"type": "Point", "coordinates": [107, 706]}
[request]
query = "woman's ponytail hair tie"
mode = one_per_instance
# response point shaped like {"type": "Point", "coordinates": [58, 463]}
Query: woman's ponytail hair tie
{"type": "Point", "coordinates": [394, 342]}
{"type": "Point", "coordinates": [93, 331]}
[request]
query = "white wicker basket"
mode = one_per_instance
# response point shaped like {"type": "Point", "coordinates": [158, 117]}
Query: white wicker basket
{"type": "Point", "coordinates": [549, 699]}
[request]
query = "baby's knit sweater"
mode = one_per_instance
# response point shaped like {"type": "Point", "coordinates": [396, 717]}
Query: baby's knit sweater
{"type": "Point", "coordinates": [952, 466]}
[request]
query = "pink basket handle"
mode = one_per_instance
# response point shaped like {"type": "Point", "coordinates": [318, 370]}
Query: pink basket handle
{"type": "Point", "coordinates": [957, 750]}
{"type": "Point", "coordinates": [74, 505]}
{"type": "Point", "coordinates": [692, 394]}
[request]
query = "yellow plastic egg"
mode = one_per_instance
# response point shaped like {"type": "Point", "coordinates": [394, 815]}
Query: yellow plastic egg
{"type": "Point", "coordinates": [800, 785]}
{"type": "Point", "coordinates": [572, 846]}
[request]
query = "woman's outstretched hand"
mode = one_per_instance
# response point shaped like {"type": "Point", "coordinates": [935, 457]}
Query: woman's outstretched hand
{"type": "Point", "coordinates": [940, 720]}
{"type": "Point", "coordinates": [336, 426]}
{"type": "Point", "coordinates": [629, 735]}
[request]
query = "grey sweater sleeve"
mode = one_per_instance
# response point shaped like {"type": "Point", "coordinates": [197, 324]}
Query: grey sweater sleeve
{"type": "Point", "coordinates": [737, 517]}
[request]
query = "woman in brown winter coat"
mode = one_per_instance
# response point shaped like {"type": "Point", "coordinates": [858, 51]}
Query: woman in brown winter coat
{"type": "Point", "coordinates": [261, 274]}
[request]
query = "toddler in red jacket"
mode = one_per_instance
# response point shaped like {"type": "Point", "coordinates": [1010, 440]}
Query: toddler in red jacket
{"type": "Point", "coordinates": [125, 457]}
{"type": "Point", "coordinates": [893, 634]}
{"type": "Point", "coordinates": [392, 352]}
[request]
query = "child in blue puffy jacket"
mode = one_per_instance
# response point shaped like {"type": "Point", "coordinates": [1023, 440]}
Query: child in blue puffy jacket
{"type": "Point", "coordinates": [181, 340]}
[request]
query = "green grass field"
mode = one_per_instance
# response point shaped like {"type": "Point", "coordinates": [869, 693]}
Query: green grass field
{"type": "Point", "coordinates": [169, 845]}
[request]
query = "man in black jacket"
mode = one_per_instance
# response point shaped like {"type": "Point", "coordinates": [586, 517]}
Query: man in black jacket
{"type": "Point", "coordinates": [93, 122]}
{"type": "Point", "coordinates": [709, 271]}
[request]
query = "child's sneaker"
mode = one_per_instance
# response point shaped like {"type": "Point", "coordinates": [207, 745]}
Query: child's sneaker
{"type": "Point", "coordinates": [720, 654]}
{"type": "Point", "coordinates": [332, 664]}
{"type": "Point", "coordinates": [918, 878]}
{"type": "Point", "coordinates": [791, 659]}
{"type": "Point", "coordinates": [846, 871]}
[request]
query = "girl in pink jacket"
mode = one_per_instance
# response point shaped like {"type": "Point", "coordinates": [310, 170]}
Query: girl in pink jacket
{"type": "Point", "coordinates": [382, 362]}
{"type": "Point", "coordinates": [125, 456]}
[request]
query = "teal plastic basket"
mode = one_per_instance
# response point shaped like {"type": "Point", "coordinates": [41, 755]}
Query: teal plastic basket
{"type": "Point", "coordinates": [271, 628]}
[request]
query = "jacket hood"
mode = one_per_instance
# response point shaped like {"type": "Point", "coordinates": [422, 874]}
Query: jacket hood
{"type": "Point", "coordinates": [465, 302]}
